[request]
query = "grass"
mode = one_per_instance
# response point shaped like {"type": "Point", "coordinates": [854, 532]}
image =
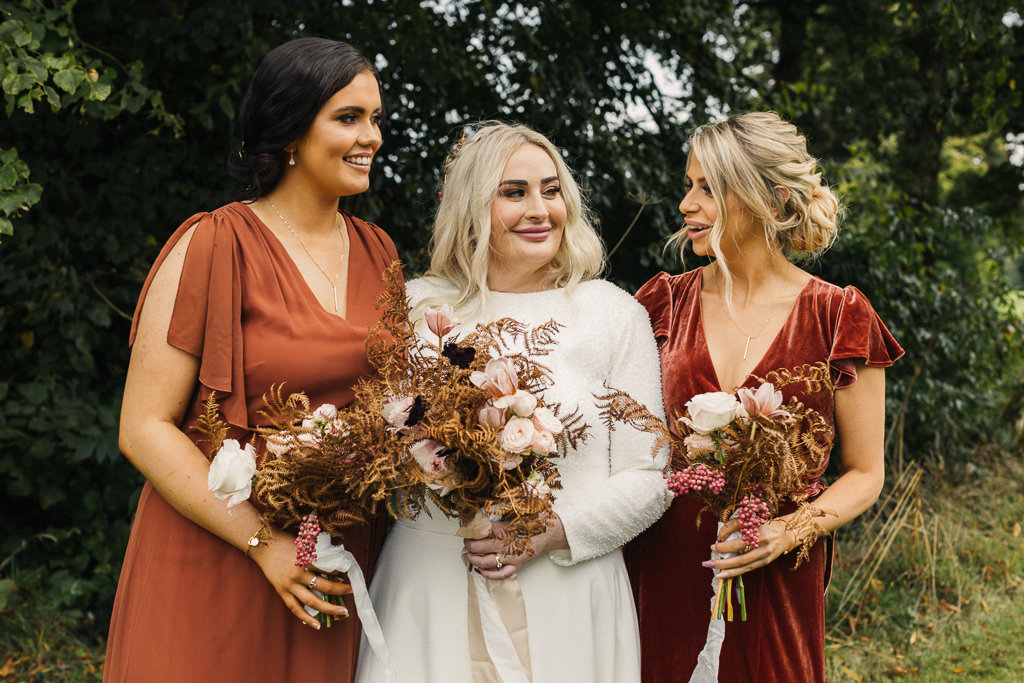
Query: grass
{"type": "Point", "coordinates": [934, 581]}
{"type": "Point", "coordinates": [927, 587]}
{"type": "Point", "coordinates": [38, 648]}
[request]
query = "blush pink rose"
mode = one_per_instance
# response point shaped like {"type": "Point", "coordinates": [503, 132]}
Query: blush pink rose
{"type": "Point", "coordinates": [535, 485]}
{"type": "Point", "coordinates": [499, 377]}
{"type": "Point", "coordinates": [543, 442]}
{"type": "Point", "coordinates": [442, 320]}
{"type": "Point", "coordinates": [511, 461]}
{"type": "Point", "coordinates": [492, 416]}
{"type": "Point", "coordinates": [546, 420]}
{"type": "Point", "coordinates": [517, 435]}
{"type": "Point", "coordinates": [765, 401]}
{"type": "Point", "coordinates": [522, 403]}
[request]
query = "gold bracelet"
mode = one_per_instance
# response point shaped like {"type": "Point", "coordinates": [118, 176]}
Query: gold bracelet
{"type": "Point", "coordinates": [806, 531]}
{"type": "Point", "coordinates": [262, 535]}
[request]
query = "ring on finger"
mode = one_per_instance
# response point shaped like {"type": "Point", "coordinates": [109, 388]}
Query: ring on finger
{"type": "Point", "coordinates": [497, 561]}
{"type": "Point", "coordinates": [312, 583]}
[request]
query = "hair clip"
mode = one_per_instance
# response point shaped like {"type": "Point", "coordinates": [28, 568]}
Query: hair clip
{"type": "Point", "coordinates": [467, 135]}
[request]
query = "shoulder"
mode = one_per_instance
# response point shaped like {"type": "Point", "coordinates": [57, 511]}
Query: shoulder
{"type": "Point", "coordinates": [836, 301]}
{"type": "Point", "coordinates": [605, 294]}
{"type": "Point", "coordinates": [229, 223]}
{"type": "Point", "coordinates": [617, 309]}
{"type": "Point", "coordinates": [663, 294]}
{"type": "Point", "coordinates": [662, 289]}
{"type": "Point", "coordinates": [428, 286]}
{"type": "Point", "coordinates": [372, 233]}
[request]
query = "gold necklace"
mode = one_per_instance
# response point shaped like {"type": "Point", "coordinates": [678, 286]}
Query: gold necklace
{"type": "Point", "coordinates": [771, 312]}
{"type": "Point", "coordinates": [332, 282]}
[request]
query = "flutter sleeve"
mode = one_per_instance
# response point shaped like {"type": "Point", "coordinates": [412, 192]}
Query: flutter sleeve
{"type": "Point", "coordinates": [206, 319]}
{"type": "Point", "coordinates": [656, 297]}
{"type": "Point", "coordinates": [634, 495]}
{"type": "Point", "coordinates": [859, 334]}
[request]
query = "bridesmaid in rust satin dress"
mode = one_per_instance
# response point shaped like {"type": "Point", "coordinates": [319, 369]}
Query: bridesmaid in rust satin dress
{"type": "Point", "coordinates": [279, 287]}
{"type": "Point", "coordinates": [754, 196]}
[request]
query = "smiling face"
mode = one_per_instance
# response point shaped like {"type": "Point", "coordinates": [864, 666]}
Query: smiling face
{"type": "Point", "coordinates": [334, 155]}
{"type": "Point", "coordinates": [527, 221]}
{"type": "Point", "coordinates": [700, 208]}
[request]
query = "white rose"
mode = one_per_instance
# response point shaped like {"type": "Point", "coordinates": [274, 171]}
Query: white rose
{"type": "Point", "coordinates": [546, 420]}
{"type": "Point", "coordinates": [522, 403]}
{"type": "Point", "coordinates": [711, 411]}
{"type": "Point", "coordinates": [543, 442]}
{"type": "Point", "coordinates": [517, 435]}
{"type": "Point", "coordinates": [231, 472]}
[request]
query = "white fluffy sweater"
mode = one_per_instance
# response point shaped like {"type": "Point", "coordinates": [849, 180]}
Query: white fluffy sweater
{"type": "Point", "coordinates": [612, 485]}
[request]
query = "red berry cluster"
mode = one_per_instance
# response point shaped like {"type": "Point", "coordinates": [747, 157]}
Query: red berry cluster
{"type": "Point", "coordinates": [305, 543]}
{"type": "Point", "coordinates": [696, 478]}
{"type": "Point", "coordinates": [752, 513]}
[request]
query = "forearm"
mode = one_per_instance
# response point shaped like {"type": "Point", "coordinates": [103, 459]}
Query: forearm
{"type": "Point", "coordinates": [849, 496]}
{"type": "Point", "coordinates": [179, 471]}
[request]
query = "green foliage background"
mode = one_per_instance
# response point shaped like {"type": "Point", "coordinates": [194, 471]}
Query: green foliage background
{"type": "Point", "coordinates": [118, 117]}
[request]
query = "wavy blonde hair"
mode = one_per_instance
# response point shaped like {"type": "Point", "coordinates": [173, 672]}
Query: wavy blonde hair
{"type": "Point", "coordinates": [752, 156]}
{"type": "Point", "coordinates": [460, 244]}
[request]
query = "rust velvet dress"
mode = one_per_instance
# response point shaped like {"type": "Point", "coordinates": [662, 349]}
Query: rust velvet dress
{"type": "Point", "coordinates": [828, 328]}
{"type": "Point", "coordinates": [189, 606]}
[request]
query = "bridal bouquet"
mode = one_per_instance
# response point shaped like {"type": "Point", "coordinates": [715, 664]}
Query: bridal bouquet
{"type": "Point", "coordinates": [742, 455]}
{"type": "Point", "coordinates": [471, 414]}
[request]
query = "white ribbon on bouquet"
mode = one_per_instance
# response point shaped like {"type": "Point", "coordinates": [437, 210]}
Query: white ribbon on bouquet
{"type": "Point", "coordinates": [334, 558]}
{"type": "Point", "coordinates": [706, 670]}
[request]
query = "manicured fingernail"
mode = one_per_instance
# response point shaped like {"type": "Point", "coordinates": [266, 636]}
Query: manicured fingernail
{"type": "Point", "coordinates": [710, 564]}
{"type": "Point", "coordinates": [342, 612]}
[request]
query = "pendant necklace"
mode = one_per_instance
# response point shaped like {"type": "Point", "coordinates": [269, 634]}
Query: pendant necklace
{"type": "Point", "coordinates": [771, 313]}
{"type": "Point", "coordinates": [333, 282]}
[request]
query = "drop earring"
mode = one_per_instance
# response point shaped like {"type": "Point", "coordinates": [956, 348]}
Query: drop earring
{"type": "Point", "coordinates": [291, 157]}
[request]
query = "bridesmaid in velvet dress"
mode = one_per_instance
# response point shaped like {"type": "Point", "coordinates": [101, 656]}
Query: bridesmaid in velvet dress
{"type": "Point", "coordinates": [753, 197]}
{"type": "Point", "coordinates": [279, 287]}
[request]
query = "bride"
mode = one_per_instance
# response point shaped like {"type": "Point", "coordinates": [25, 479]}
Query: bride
{"type": "Point", "coordinates": [512, 239]}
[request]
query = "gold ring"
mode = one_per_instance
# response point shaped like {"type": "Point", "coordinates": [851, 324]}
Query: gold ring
{"type": "Point", "coordinates": [312, 583]}
{"type": "Point", "coordinates": [497, 561]}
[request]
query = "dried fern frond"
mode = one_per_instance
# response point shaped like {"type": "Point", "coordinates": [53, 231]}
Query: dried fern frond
{"type": "Point", "coordinates": [211, 424]}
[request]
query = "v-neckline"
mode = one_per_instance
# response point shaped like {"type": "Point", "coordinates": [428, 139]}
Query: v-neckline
{"type": "Point", "coordinates": [298, 273]}
{"type": "Point", "coordinates": [768, 349]}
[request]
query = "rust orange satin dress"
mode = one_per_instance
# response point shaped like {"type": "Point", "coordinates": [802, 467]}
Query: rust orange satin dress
{"type": "Point", "coordinates": [784, 637]}
{"type": "Point", "coordinates": [189, 606]}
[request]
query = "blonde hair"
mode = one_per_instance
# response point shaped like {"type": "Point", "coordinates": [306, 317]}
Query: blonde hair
{"type": "Point", "coordinates": [751, 156]}
{"type": "Point", "coordinates": [460, 245]}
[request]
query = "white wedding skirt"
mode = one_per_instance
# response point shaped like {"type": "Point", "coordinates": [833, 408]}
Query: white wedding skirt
{"type": "Point", "coordinates": [581, 619]}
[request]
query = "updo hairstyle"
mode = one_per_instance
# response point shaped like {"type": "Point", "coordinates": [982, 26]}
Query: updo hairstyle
{"type": "Point", "coordinates": [460, 245]}
{"type": "Point", "coordinates": [291, 84]}
{"type": "Point", "coordinates": [752, 155]}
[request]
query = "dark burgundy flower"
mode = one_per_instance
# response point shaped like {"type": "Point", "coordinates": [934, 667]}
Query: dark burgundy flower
{"type": "Point", "coordinates": [458, 356]}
